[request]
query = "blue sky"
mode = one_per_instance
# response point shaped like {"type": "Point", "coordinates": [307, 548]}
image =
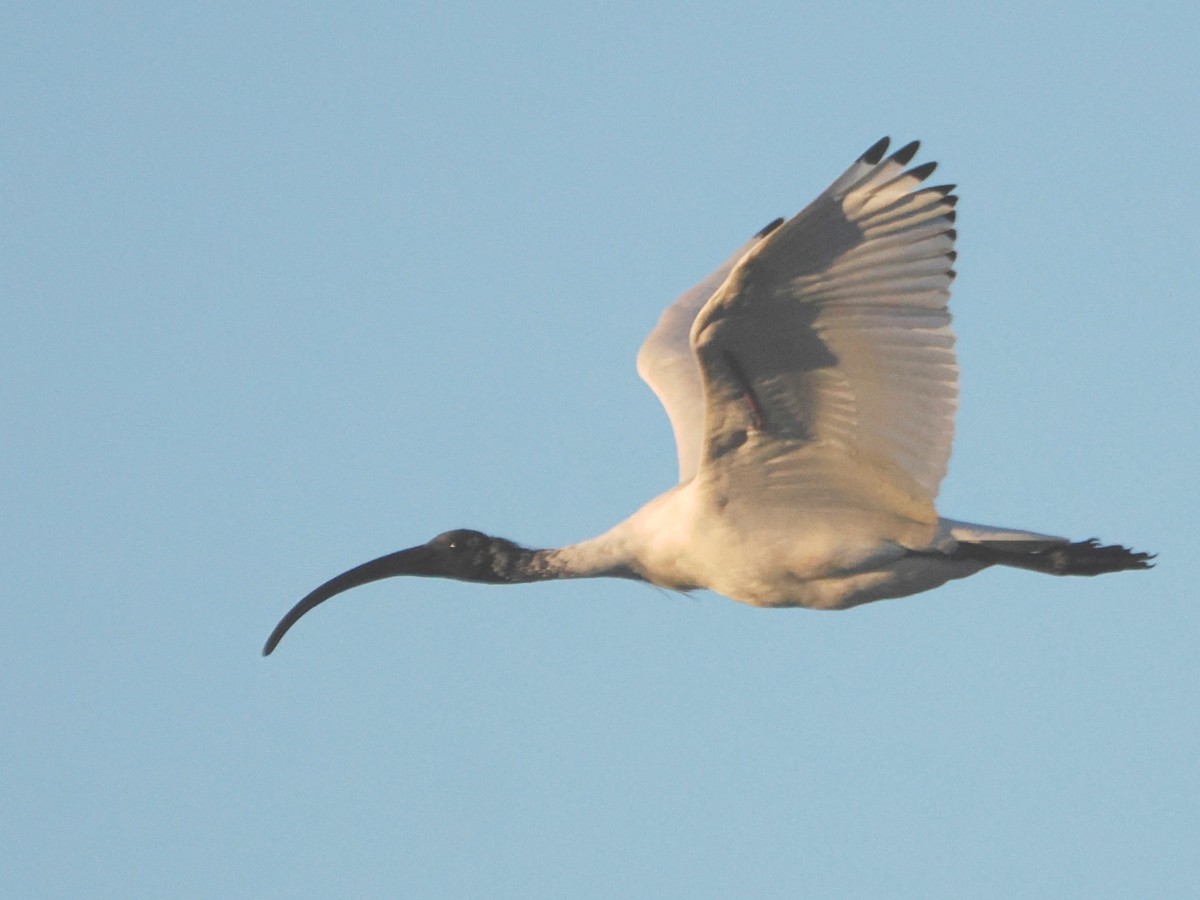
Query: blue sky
{"type": "Point", "coordinates": [289, 287]}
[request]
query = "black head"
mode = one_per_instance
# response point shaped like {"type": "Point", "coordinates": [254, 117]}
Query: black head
{"type": "Point", "coordinates": [467, 555]}
{"type": "Point", "coordinates": [462, 554]}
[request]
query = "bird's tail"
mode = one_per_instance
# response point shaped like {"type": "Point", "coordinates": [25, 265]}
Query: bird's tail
{"type": "Point", "coordinates": [1038, 552]}
{"type": "Point", "coordinates": [1088, 557]}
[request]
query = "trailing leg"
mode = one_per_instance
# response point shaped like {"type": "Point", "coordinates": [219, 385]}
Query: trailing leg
{"type": "Point", "coordinates": [1088, 557]}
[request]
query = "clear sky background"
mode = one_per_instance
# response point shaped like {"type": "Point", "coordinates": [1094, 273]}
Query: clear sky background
{"type": "Point", "coordinates": [289, 286]}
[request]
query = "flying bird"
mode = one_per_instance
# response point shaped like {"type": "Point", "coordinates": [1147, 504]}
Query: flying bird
{"type": "Point", "coordinates": [811, 383]}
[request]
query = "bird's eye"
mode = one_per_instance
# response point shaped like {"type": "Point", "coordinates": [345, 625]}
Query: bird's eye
{"type": "Point", "coordinates": [453, 545]}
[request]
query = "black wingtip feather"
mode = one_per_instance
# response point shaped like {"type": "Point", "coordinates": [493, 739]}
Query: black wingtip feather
{"type": "Point", "coordinates": [943, 189]}
{"type": "Point", "coordinates": [875, 152]}
{"type": "Point", "coordinates": [907, 152]}
{"type": "Point", "coordinates": [922, 171]}
{"type": "Point", "coordinates": [769, 227]}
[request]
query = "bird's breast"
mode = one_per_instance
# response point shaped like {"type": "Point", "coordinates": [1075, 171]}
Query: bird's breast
{"type": "Point", "coordinates": [689, 538]}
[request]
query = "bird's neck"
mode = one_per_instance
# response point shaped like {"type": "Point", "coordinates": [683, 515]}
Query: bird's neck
{"type": "Point", "coordinates": [648, 546]}
{"type": "Point", "coordinates": [598, 557]}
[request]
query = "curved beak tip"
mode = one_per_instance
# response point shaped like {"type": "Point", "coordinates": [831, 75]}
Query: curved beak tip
{"type": "Point", "coordinates": [412, 561]}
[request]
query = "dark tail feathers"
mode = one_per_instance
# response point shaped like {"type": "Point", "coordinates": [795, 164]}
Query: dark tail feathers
{"type": "Point", "coordinates": [1088, 557]}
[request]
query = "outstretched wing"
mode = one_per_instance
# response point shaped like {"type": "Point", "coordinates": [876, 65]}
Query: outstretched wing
{"type": "Point", "coordinates": [826, 356]}
{"type": "Point", "coordinates": [666, 361]}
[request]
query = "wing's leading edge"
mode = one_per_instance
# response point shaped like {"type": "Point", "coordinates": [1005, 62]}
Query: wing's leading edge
{"type": "Point", "coordinates": [668, 364]}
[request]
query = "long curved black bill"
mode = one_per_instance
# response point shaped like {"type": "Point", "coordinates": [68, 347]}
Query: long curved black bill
{"type": "Point", "coordinates": [414, 561]}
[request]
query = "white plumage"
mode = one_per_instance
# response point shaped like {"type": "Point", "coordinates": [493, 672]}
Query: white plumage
{"type": "Point", "coordinates": [811, 384]}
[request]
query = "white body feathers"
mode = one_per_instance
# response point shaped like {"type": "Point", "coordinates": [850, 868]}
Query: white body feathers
{"type": "Point", "coordinates": [811, 383]}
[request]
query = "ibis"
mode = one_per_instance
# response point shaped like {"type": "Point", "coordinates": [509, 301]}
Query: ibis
{"type": "Point", "coordinates": [811, 383]}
